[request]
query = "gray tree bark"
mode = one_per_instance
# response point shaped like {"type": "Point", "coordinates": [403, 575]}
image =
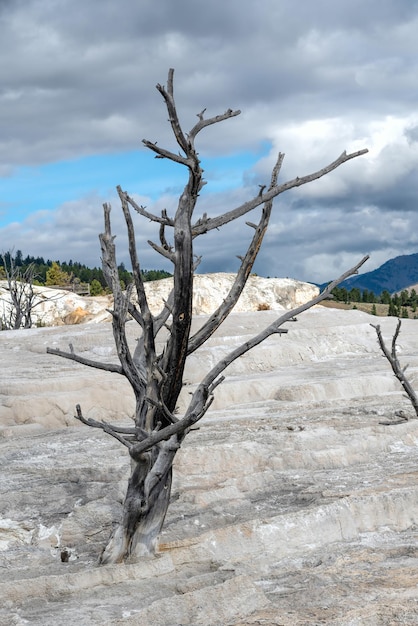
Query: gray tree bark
{"type": "Point", "coordinates": [17, 312]}
{"type": "Point", "coordinates": [156, 377]}
{"type": "Point", "coordinates": [399, 372]}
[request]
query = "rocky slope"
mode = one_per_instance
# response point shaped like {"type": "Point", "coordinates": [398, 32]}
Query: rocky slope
{"type": "Point", "coordinates": [292, 503]}
{"type": "Point", "coordinates": [56, 307]}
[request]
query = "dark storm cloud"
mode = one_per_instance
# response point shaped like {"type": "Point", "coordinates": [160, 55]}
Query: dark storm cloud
{"type": "Point", "coordinates": [80, 76]}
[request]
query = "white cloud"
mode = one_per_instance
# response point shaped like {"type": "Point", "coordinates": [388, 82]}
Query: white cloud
{"type": "Point", "coordinates": [78, 78]}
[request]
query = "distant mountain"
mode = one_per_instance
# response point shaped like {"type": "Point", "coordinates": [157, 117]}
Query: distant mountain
{"type": "Point", "coordinates": [394, 275]}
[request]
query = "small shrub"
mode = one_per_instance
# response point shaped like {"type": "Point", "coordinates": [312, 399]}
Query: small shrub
{"type": "Point", "coordinates": [263, 306]}
{"type": "Point", "coordinates": [96, 288]}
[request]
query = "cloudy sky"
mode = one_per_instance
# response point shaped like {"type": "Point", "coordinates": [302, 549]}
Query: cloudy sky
{"type": "Point", "coordinates": [311, 77]}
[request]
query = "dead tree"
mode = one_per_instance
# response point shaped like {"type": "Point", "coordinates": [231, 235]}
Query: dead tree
{"type": "Point", "coordinates": [392, 356]}
{"type": "Point", "coordinates": [156, 376]}
{"type": "Point", "coordinates": [20, 301]}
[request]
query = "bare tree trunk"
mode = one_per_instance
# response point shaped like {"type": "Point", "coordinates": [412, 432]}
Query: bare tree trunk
{"type": "Point", "coordinates": [398, 371]}
{"type": "Point", "coordinates": [156, 377]}
{"type": "Point", "coordinates": [137, 533]}
{"type": "Point", "coordinates": [17, 312]}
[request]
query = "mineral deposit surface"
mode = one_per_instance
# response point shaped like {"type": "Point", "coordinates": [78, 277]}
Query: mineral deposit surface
{"type": "Point", "coordinates": [293, 503]}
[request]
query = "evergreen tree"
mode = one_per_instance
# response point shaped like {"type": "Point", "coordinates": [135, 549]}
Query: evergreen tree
{"type": "Point", "coordinates": [413, 300]}
{"type": "Point", "coordinates": [56, 276]}
{"type": "Point", "coordinates": [18, 258]}
{"type": "Point", "coordinates": [369, 296]}
{"type": "Point", "coordinates": [355, 295]}
{"type": "Point", "coordinates": [393, 309]}
{"type": "Point", "coordinates": [385, 297]}
{"type": "Point", "coordinates": [96, 288]}
{"type": "Point", "coordinates": [124, 276]}
{"type": "Point", "coordinates": [70, 270]}
{"type": "Point", "coordinates": [149, 275]}
{"type": "Point", "coordinates": [404, 297]}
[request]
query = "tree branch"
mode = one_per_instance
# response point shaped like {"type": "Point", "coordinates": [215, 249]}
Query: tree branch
{"type": "Point", "coordinates": [202, 227]}
{"type": "Point", "coordinates": [166, 154]}
{"type": "Point", "coordinates": [199, 403]}
{"type": "Point", "coordinates": [142, 211]}
{"type": "Point", "coordinates": [163, 239]}
{"type": "Point", "coordinates": [121, 302]}
{"type": "Point", "coordinates": [107, 428]}
{"type": "Point", "coordinates": [164, 434]}
{"type": "Point", "coordinates": [274, 328]}
{"type": "Point", "coordinates": [202, 123]}
{"type": "Point", "coordinates": [217, 318]}
{"type": "Point", "coordinates": [392, 357]}
{"type": "Point", "coordinates": [161, 319]}
{"type": "Point", "coordinates": [201, 398]}
{"type": "Point", "coordinates": [107, 367]}
{"type": "Point", "coordinates": [168, 96]}
{"type": "Point", "coordinates": [168, 254]}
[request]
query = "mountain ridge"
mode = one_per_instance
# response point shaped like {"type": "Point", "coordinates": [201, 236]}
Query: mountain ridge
{"type": "Point", "coordinates": [394, 275]}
